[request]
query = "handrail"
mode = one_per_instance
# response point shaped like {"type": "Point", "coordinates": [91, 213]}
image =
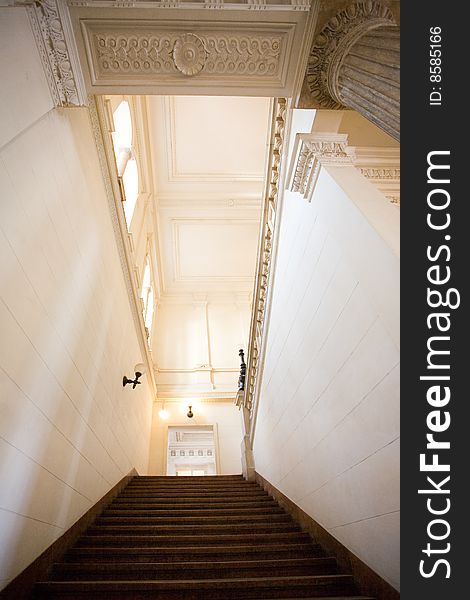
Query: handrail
{"type": "Point", "coordinates": [265, 245]}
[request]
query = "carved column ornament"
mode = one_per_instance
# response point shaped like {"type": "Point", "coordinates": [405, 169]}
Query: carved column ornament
{"type": "Point", "coordinates": [354, 62]}
{"type": "Point", "coordinates": [311, 152]}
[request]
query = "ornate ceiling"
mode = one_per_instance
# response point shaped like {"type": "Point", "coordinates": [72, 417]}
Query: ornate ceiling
{"type": "Point", "coordinates": [207, 167]}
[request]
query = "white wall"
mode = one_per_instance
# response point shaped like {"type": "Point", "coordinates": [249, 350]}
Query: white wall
{"type": "Point", "coordinates": [224, 415]}
{"type": "Point", "coordinates": [327, 430]}
{"type": "Point", "coordinates": [68, 430]}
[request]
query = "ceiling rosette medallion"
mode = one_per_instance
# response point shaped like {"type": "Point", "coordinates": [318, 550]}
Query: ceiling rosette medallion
{"type": "Point", "coordinates": [189, 54]}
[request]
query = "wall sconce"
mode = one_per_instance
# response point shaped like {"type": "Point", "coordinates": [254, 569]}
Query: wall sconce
{"type": "Point", "coordinates": [139, 370]}
{"type": "Point", "coordinates": [190, 413]}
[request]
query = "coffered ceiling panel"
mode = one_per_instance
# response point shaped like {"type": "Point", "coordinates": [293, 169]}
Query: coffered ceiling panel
{"type": "Point", "coordinates": [209, 138]}
{"type": "Point", "coordinates": [215, 249]}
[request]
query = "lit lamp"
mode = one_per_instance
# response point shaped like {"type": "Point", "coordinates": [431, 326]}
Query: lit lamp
{"type": "Point", "coordinates": [190, 413]}
{"type": "Point", "coordinates": [163, 413]}
{"type": "Point", "coordinates": [139, 370]}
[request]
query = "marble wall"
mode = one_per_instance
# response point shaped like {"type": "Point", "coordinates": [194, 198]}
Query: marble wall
{"type": "Point", "coordinates": [68, 429]}
{"type": "Point", "coordinates": [327, 432]}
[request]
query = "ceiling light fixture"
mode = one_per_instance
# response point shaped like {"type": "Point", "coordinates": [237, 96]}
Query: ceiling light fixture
{"type": "Point", "coordinates": [190, 413]}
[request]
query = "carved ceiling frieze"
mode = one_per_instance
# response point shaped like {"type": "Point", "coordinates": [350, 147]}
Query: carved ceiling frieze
{"type": "Point", "coordinates": [150, 52]}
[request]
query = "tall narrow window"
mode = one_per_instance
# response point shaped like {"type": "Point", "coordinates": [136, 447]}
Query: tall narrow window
{"type": "Point", "coordinates": [126, 164]}
{"type": "Point", "coordinates": [147, 296]}
{"type": "Point", "coordinates": [122, 135]}
{"type": "Point", "coordinates": [130, 180]}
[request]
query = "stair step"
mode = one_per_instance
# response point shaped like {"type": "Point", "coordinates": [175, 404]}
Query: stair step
{"type": "Point", "coordinates": [216, 589]}
{"type": "Point", "coordinates": [208, 529]}
{"type": "Point", "coordinates": [185, 540]}
{"type": "Point", "coordinates": [247, 519]}
{"type": "Point", "coordinates": [185, 553]}
{"type": "Point", "coordinates": [188, 478]}
{"type": "Point", "coordinates": [194, 570]}
{"type": "Point", "coordinates": [194, 505]}
{"type": "Point", "coordinates": [191, 512]}
{"type": "Point", "coordinates": [196, 538]}
{"type": "Point", "coordinates": [188, 496]}
{"type": "Point", "coordinates": [217, 486]}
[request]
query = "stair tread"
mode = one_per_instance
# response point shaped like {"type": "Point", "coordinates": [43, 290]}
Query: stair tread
{"type": "Point", "coordinates": [201, 540]}
{"type": "Point", "coordinates": [298, 580]}
{"type": "Point", "coordinates": [276, 548]}
{"type": "Point", "coordinates": [259, 518]}
{"type": "Point", "coordinates": [219, 564]}
{"type": "Point", "coordinates": [216, 528]}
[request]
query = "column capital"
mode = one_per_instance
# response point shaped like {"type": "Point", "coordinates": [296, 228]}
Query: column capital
{"type": "Point", "coordinates": [333, 43]}
{"type": "Point", "coordinates": [311, 152]}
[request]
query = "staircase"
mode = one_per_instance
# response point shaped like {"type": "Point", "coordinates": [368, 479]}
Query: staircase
{"type": "Point", "coordinates": [195, 538]}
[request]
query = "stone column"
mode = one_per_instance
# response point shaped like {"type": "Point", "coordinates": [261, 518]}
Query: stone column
{"type": "Point", "coordinates": [354, 63]}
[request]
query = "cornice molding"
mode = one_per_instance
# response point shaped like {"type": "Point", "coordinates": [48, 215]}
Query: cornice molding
{"type": "Point", "coordinates": [206, 399]}
{"type": "Point", "coordinates": [51, 27]}
{"type": "Point", "coordinates": [380, 165]}
{"type": "Point", "coordinates": [280, 5]}
{"type": "Point", "coordinates": [268, 225]}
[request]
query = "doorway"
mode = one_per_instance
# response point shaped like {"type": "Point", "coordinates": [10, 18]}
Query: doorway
{"type": "Point", "coordinates": [191, 451]}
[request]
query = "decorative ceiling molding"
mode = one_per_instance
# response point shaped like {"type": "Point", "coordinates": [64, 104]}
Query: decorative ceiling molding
{"type": "Point", "coordinates": [238, 201]}
{"type": "Point", "coordinates": [206, 398]}
{"type": "Point", "coordinates": [153, 51]}
{"type": "Point", "coordinates": [280, 5]}
{"type": "Point", "coordinates": [50, 23]}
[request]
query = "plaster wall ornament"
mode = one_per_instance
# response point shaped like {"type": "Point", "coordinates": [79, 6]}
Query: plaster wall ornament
{"type": "Point", "coordinates": [380, 165]}
{"type": "Point", "coordinates": [161, 52]}
{"type": "Point", "coordinates": [333, 43]}
{"type": "Point", "coordinates": [381, 173]}
{"type": "Point", "coordinates": [49, 22]}
{"type": "Point", "coordinates": [189, 54]}
{"type": "Point", "coordinates": [313, 151]}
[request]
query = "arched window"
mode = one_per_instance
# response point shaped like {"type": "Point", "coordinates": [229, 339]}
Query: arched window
{"type": "Point", "coordinates": [126, 164]}
{"type": "Point", "coordinates": [147, 296]}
